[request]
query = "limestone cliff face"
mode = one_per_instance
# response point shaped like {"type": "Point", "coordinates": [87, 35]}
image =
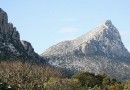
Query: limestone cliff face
{"type": "Point", "coordinates": [99, 51]}
{"type": "Point", "coordinates": [11, 47]}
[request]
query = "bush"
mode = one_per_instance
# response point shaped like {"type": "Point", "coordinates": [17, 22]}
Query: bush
{"type": "Point", "coordinates": [62, 84]}
{"type": "Point", "coordinates": [87, 79]}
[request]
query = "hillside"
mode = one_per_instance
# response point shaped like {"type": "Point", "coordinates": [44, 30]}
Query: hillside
{"type": "Point", "coordinates": [99, 51]}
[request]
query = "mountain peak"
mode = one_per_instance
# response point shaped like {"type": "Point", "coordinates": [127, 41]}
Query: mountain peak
{"type": "Point", "coordinates": [103, 31]}
{"type": "Point", "coordinates": [1, 10]}
{"type": "Point", "coordinates": [3, 17]}
{"type": "Point", "coordinates": [108, 22]}
{"type": "Point", "coordinates": [105, 26]}
{"type": "Point", "coordinates": [105, 40]}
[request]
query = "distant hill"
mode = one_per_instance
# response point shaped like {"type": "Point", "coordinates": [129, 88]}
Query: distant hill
{"type": "Point", "coordinates": [99, 51]}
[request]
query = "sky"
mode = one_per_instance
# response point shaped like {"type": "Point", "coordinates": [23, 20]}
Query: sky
{"type": "Point", "coordinates": [46, 22]}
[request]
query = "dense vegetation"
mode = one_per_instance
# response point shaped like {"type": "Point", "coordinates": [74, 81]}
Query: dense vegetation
{"type": "Point", "coordinates": [16, 75]}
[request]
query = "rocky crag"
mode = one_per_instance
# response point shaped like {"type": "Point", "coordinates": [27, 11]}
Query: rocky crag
{"type": "Point", "coordinates": [11, 47]}
{"type": "Point", "coordinates": [99, 51]}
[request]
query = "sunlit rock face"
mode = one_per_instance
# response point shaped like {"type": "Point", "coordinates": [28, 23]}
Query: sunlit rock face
{"type": "Point", "coordinates": [99, 51]}
{"type": "Point", "coordinates": [11, 47]}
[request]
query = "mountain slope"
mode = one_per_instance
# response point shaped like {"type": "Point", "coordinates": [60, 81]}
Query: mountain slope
{"type": "Point", "coordinates": [99, 51]}
{"type": "Point", "coordinates": [11, 47]}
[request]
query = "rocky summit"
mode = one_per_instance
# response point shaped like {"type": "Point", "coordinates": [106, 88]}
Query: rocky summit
{"type": "Point", "coordinates": [99, 51]}
{"type": "Point", "coordinates": [11, 47]}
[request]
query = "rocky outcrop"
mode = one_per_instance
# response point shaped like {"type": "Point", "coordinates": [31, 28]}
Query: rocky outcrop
{"type": "Point", "coordinates": [30, 51]}
{"type": "Point", "coordinates": [99, 51]}
{"type": "Point", "coordinates": [11, 47]}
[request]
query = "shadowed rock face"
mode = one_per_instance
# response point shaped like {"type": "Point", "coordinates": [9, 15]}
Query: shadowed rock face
{"type": "Point", "coordinates": [30, 51]}
{"type": "Point", "coordinates": [11, 47]}
{"type": "Point", "coordinates": [99, 51]}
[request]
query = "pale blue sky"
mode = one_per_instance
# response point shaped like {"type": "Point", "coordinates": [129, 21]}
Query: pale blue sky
{"type": "Point", "coordinates": [46, 22]}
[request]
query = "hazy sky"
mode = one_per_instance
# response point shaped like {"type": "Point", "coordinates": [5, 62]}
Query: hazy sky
{"type": "Point", "coordinates": [46, 22]}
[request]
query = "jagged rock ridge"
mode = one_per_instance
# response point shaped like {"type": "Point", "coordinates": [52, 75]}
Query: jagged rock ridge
{"type": "Point", "coordinates": [11, 47]}
{"type": "Point", "coordinates": [102, 44]}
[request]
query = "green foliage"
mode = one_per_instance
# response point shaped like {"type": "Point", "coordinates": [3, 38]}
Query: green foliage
{"type": "Point", "coordinates": [88, 79]}
{"type": "Point", "coordinates": [97, 82]}
{"type": "Point", "coordinates": [62, 84]}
